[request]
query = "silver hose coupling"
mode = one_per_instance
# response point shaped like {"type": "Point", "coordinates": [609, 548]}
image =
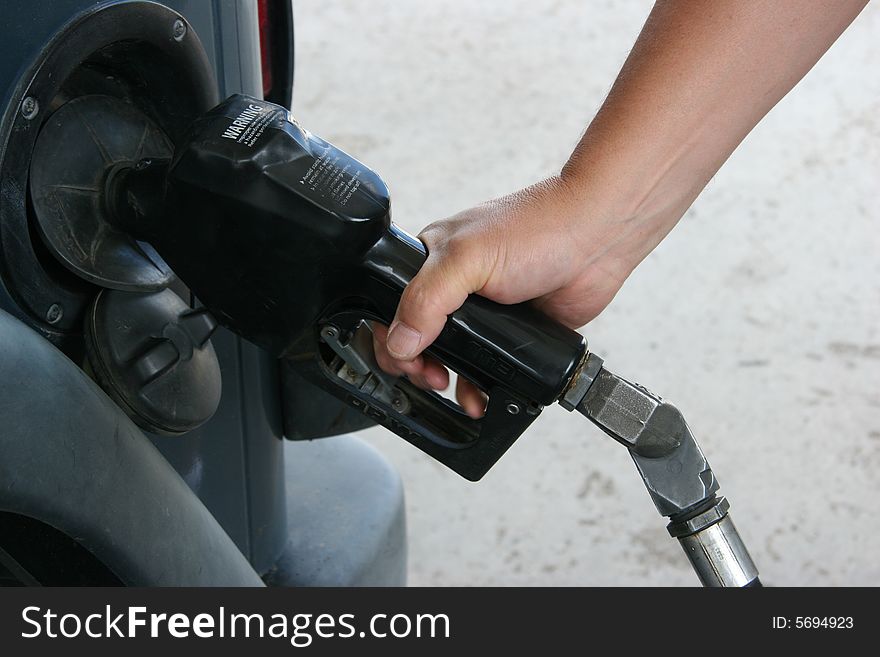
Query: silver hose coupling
{"type": "Point", "coordinates": [672, 466]}
{"type": "Point", "coordinates": [714, 547]}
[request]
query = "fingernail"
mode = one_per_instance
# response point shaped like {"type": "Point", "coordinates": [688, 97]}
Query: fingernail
{"type": "Point", "coordinates": [403, 341]}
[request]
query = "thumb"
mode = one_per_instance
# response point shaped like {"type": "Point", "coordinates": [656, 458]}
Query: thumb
{"type": "Point", "coordinates": [439, 288]}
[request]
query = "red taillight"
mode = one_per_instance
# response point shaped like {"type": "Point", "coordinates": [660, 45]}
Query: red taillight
{"type": "Point", "coordinates": [264, 7]}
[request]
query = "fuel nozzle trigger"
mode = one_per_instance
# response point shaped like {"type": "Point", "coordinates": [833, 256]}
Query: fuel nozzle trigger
{"type": "Point", "coordinates": [348, 368]}
{"type": "Point", "coordinates": [358, 366]}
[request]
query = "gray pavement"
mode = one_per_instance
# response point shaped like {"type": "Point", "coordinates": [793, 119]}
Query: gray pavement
{"type": "Point", "coordinates": [759, 316]}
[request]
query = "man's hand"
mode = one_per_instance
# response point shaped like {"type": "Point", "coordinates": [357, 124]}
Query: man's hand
{"type": "Point", "coordinates": [536, 245]}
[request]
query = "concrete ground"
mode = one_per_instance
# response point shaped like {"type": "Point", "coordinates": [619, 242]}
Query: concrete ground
{"type": "Point", "coordinates": [759, 316]}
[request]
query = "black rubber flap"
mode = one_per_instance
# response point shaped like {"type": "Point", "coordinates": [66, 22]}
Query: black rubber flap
{"type": "Point", "coordinates": [80, 146]}
{"type": "Point", "coordinates": [153, 356]}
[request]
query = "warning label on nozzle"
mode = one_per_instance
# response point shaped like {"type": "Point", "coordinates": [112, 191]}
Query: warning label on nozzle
{"type": "Point", "coordinates": [334, 175]}
{"type": "Point", "coordinates": [249, 125]}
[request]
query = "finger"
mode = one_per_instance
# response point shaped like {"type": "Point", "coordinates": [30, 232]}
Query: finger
{"type": "Point", "coordinates": [425, 372]}
{"type": "Point", "coordinates": [387, 362]}
{"type": "Point", "coordinates": [471, 398]}
{"type": "Point", "coordinates": [435, 373]}
{"type": "Point", "coordinates": [437, 290]}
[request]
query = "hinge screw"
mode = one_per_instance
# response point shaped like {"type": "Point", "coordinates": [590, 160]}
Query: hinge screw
{"type": "Point", "coordinates": [179, 30]}
{"type": "Point", "coordinates": [54, 314]}
{"type": "Point", "coordinates": [29, 107]}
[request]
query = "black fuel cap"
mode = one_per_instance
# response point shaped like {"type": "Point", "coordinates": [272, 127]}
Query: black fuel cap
{"type": "Point", "coordinates": [152, 354]}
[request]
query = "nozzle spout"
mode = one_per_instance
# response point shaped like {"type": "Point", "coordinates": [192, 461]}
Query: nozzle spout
{"type": "Point", "coordinates": [135, 198]}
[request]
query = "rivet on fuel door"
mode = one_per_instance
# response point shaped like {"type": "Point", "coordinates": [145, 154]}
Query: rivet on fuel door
{"type": "Point", "coordinates": [179, 30]}
{"type": "Point", "coordinates": [54, 313]}
{"type": "Point", "coordinates": [29, 107]}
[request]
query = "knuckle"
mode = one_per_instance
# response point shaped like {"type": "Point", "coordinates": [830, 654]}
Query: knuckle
{"type": "Point", "coordinates": [458, 248]}
{"type": "Point", "coordinates": [421, 298]}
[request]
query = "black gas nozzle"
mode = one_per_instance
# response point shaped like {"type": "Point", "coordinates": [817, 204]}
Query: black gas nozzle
{"type": "Point", "coordinates": [289, 242]}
